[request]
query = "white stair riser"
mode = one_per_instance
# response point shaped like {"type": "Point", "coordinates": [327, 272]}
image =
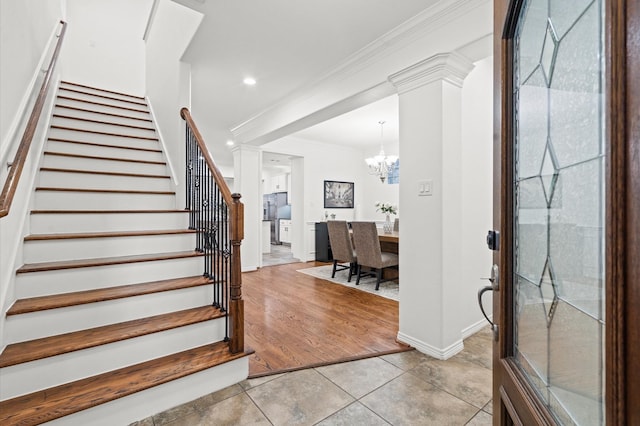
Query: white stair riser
{"type": "Point", "coordinates": [104, 151]}
{"type": "Point", "coordinates": [105, 222]}
{"type": "Point", "coordinates": [49, 372]}
{"type": "Point", "coordinates": [59, 134]}
{"type": "Point", "coordinates": [55, 179]}
{"type": "Point", "coordinates": [113, 102]}
{"type": "Point", "coordinates": [92, 248]}
{"type": "Point", "coordinates": [35, 284]}
{"type": "Point", "coordinates": [35, 325]}
{"type": "Point", "coordinates": [133, 96]}
{"type": "Point", "coordinates": [107, 128]}
{"type": "Point", "coordinates": [79, 135]}
{"type": "Point", "coordinates": [88, 112]}
{"type": "Point", "coordinates": [64, 162]}
{"type": "Point", "coordinates": [46, 200]}
{"type": "Point", "coordinates": [140, 405]}
{"type": "Point", "coordinates": [132, 112]}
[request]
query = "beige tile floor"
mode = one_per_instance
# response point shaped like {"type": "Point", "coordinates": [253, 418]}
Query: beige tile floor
{"type": "Point", "coordinates": [280, 254]}
{"type": "Point", "coordinates": [407, 388]}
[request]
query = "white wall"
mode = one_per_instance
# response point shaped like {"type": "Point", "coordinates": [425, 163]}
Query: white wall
{"type": "Point", "coordinates": [27, 32]}
{"type": "Point", "coordinates": [25, 29]}
{"type": "Point", "coordinates": [168, 79]}
{"type": "Point", "coordinates": [373, 190]}
{"type": "Point", "coordinates": [106, 40]}
{"type": "Point", "coordinates": [477, 189]}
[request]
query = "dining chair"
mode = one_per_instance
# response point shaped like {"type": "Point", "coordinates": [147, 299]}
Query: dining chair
{"type": "Point", "coordinates": [341, 247]}
{"type": "Point", "coordinates": [367, 245]}
{"type": "Point", "coordinates": [396, 225]}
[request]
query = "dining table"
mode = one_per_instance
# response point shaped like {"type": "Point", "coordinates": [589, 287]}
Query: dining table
{"type": "Point", "coordinates": [388, 240]}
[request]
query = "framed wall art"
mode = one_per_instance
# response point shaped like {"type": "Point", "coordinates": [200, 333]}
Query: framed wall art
{"type": "Point", "coordinates": [338, 195]}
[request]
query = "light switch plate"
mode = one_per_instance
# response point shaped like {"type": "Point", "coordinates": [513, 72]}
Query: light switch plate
{"type": "Point", "coordinates": [425, 187]}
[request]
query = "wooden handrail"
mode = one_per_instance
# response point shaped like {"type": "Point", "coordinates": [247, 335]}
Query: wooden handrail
{"type": "Point", "coordinates": [224, 188]}
{"type": "Point", "coordinates": [236, 223]}
{"type": "Point", "coordinates": [13, 178]}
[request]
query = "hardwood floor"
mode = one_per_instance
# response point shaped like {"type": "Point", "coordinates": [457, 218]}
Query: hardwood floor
{"type": "Point", "coordinates": [294, 321]}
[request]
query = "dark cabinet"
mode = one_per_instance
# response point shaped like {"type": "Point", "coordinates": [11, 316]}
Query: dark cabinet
{"type": "Point", "coordinates": [323, 247]}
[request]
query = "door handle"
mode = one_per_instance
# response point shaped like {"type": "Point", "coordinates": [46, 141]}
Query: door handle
{"type": "Point", "coordinates": [495, 286]}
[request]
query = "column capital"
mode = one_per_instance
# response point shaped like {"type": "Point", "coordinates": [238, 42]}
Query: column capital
{"type": "Point", "coordinates": [451, 67]}
{"type": "Point", "coordinates": [245, 148]}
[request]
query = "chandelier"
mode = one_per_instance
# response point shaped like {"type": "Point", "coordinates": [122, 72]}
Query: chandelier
{"type": "Point", "coordinates": [381, 164]}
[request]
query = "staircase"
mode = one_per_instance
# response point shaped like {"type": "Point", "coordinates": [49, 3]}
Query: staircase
{"type": "Point", "coordinates": [113, 319]}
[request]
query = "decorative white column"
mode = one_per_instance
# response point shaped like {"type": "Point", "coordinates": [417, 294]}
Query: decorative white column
{"type": "Point", "coordinates": [430, 111]}
{"type": "Point", "coordinates": [247, 164]}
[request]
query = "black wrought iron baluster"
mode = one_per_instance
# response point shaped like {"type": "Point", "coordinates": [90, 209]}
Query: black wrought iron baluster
{"type": "Point", "coordinates": [216, 259]}
{"type": "Point", "coordinates": [210, 215]}
{"type": "Point", "coordinates": [210, 225]}
{"type": "Point", "coordinates": [199, 203]}
{"type": "Point", "coordinates": [187, 148]}
{"type": "Point", "coordinates": [189, 177]}
{"type": "Point", "coordinates": [227, 258]}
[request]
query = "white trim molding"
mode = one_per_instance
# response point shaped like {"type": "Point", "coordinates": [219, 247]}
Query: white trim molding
{"type": "Point", "coordinates": [474, 328]}
{"type": "Point", "coordinates": [450, 67]}
{"type": "Point", "coordinates": [425, 348]}
{"type": "Point", "coordinates": [165, 151]}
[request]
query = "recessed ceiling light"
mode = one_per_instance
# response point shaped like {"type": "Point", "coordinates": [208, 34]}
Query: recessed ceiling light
{"type": "Point", "coordinates": [230, 142]}
{"type": "Point", "coordinates": [249, 81]}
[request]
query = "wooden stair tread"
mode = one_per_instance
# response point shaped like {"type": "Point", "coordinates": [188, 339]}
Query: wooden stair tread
{"type": "Point", "coordinates": [19, 353]}
{"type": "Point", "coordinates": [103, 261]}
{"type": "Point", "coordinates": [101, 90]}
{"type": "Point", "coordinates": [49, 404]}
{"type": "Point", "coordinates": [110, 114]}
{"type": "Point", "coordinates": [111, 98]}
{"type": "Point", "coordinates": [105, 191]}
{"type": "Point", "coordinates": [104, 145]}
{"type": "Point", "coordinates": [105, 211]}
{"type": "Point", "coordinates": [55, 301]}
{"type": "Point", "coordinates": [95, 157]}
{"type": "Point", "coordinates": [69, 98]}
{"type": "Point", "coordinates": [96, 132]}
{"type": "Point", "coordinates": [110, 234]}
{"type": "Point", "coordinates": [110, 123]}
{"type": "Point", "coordinates": [98, 172]}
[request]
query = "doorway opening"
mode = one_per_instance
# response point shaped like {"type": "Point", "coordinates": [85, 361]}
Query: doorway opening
{"type": "Point", "coordinates": [277, 229]}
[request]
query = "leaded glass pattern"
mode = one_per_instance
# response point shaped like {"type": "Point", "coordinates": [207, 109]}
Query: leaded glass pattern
{"type": "Point", "coordinates": [559, 205]}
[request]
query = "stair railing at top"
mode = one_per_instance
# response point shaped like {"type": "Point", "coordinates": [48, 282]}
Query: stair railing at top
{"type": "Point", "coordinates": [13, 177]}
{"type": "Point", "coordinates": [218, 217]}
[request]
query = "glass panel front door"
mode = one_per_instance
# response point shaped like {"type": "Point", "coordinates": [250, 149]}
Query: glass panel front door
{"type": "Point", "coordinates": [559, 205]}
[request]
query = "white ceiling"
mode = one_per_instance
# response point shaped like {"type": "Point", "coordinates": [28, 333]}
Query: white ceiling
{"type": "Point", "coordinates": [359, 128]}
{"type": "Point", "coordinates": [285, 45]}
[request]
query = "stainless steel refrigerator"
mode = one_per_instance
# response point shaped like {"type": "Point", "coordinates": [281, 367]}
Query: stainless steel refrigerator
{"type": "Point", "coordinates": [274, 208]}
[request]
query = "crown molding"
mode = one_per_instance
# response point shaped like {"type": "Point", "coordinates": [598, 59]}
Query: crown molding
{"type": "Point", "coordinates": [425, 22]}
{"type": "Point", "coordinates": [450, 67]}
{"type": "Point", "coordinates": [406, 33]}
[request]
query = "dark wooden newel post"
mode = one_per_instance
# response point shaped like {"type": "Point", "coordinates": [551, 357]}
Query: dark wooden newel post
{"type": "Point", "coordinates": [236, 304]}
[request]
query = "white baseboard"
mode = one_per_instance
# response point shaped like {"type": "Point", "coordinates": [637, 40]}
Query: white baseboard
{"type": "Point", "coordinates": [430, 350]}
{"type": "Point", "coordinates": [474, 328]}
